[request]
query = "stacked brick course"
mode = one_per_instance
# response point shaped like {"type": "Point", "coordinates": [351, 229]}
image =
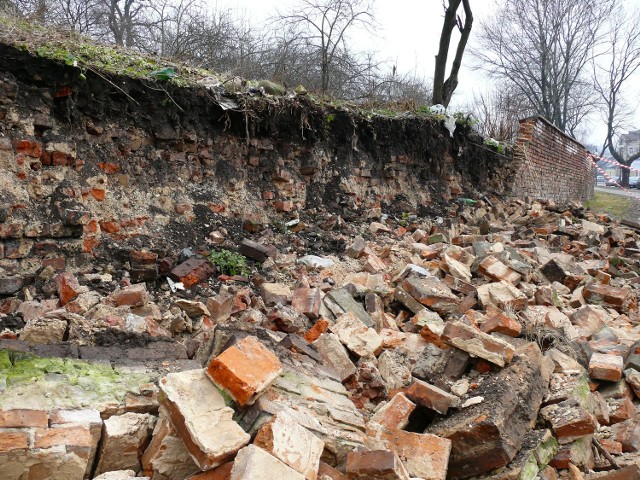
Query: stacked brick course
{"type": "Point", "coordinates": [551, 164]}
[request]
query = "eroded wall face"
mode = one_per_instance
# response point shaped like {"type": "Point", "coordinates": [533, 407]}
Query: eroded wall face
{"type": "Point", "coordinates": [550, 164]}
{"type": "Point", "coordinates": [94, 169]}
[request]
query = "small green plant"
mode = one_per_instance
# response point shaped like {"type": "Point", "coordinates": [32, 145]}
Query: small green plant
{"type": "Point", "coordinates": [330, 118]}
{"type": "Point", "coordinates": [229, 263]}
{"type": "Point", "coordinates": [491, 142]}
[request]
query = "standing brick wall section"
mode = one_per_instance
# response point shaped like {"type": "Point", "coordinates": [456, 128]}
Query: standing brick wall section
{"type": "Point", "coordinates": [550, 164]}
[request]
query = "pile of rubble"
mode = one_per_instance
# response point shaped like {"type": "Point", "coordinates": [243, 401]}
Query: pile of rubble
{"type": "Point", "coordinates": [506, 346]}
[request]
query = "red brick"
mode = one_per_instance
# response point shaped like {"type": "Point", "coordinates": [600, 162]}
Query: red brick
{"type": "Point", "coordinates": [193, 271]}
{"type": "Point", "coordinates": [133, 295]}
{"type": "Point", "coordinates": [431, 397]}
{"type": "Point", "coordinates": [606, 367]}
{"type": "Point", "coordinates": [68, 287]}
{"type": "Point", "coordinates": [394, 415]}
{"type": "Point", "coordinates": [375, 464]}
{"type": "Point", "coordinates": [28, 147]}
{"type": "Point", "coordinates": [318, 329]}
{"type": "Point", "coordinates": [68, 436]}
{"type": "Point", "coordinates": [23, 418]}
{"type": "Point", "coordinates": [13, 440]}
{"type": "Point", "coordinates": [245, 370]}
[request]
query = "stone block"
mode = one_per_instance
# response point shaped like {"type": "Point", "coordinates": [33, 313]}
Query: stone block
{"type": "Point", "coordinates": [202, 420]}
{"type": "Point", "coordinates": [291, 443]}
{"type": "Point", "coordinates": [432, 397]}
{"type": "Point", "coordinates": [606, 367]}
{"type": "Point", "coordinates": [632, 472]}
{"type": "Point", "coordinates": [252, 463]}
{"type": "Point", "coordinates": [220, 307]}
{"type": "Point", "coordinates": [193, 271]}
{"type": "Point", "coordinates": [124, 438]}
{"type": "Point", "coordinates": [455, 268]}
{"type": "Point", "coordinates": [487, 435]}
{"type": "Point", "coordinates": [375, 464]}
{"type": "Point", "coordinates": [477, 343]}
{"type": "Point", "coordinates": [245, 370]}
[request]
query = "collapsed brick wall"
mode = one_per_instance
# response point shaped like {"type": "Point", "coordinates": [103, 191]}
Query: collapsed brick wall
{"type": "Point", "coordinates": [93, 167]}
{"type": "Point", "coordinates": [551, 164]}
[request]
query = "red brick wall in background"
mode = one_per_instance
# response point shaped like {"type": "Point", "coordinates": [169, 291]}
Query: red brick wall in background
{"type": "Point", "coordinates": [552, 165]}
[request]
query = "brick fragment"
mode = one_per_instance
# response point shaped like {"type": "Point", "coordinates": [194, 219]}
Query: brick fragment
{"type": "Point", "coordinates": [394, 415]}
{"type": "Point", "coordinates": [432, 293]}
{"type": "Point", "coordinates": [606, 367]}
{"type": "Point", "coordinates": [432, 397]}
{"type": "Point", "coordinates": [206, 427]}
{"type": "Point", "coordinates": [69, 436]}
{"type": "Point", "coordinates": [23, 418]}
{"type": "Point", "coordinates": [477, 343]}
{"type": "Point", "coordinates": [252, 463]}
{"type": "Point", "coordinates": [68, 287]}
{"type": "Point", "coordinates": [192, 271]}
{"type": "Point", "coordinates": [133, 296]}
{"type": "Point", "coordinates": [375, 464]}
{"type": "Point", "coordinates": [291, 443]}
{"type": "Point", "coordinates": [275, 293]}
{"type": "Point", "coordinates": [307, 301]}
{"type": "Point", "coordinates": [13, 440]}
{"type": "Point", "coordinates": [569, 420]}
{"type": "Point", "coordinates": [503, 295]}
{"type": "Point", "coordinates": [497, 271]}
{"type": "Point", "coordinates": [356, 336]}
{"type": "Point", "coordinates": [335, 355]}
{"type": "Point", "coordinates": [618, 298]}
{"type": "Point", "coordinates": [245, 370]}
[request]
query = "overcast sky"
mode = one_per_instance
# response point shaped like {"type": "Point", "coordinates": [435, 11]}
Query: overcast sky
{"type": "Point", "coordinates": [408, 36]}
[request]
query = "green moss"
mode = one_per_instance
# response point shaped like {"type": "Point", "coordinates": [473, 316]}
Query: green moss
{"type": "Point", "coordinates": [5, 360]}
{"type": "Point", "coordinates": [62, 382]}
{"type": "Point", "coordinates": [529, 470]}
{"type": "Point", "coordinates": [546, 451]}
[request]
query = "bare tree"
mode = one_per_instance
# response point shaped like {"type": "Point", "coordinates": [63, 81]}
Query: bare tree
{"type": "Point", "coordinates": [324, 25]}
{"type": "Point", "coordinates": [443, 89]}
{"type": "Point", "coordinates": [611, 77]}
{"type": "Point", "coordinates": [498, 112]}
{"type": "Point", "coordinates": [543, 48]}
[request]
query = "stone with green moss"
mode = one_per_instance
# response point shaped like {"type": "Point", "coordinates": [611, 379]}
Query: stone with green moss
{"type": "Point", "coordinates": [46, 383]}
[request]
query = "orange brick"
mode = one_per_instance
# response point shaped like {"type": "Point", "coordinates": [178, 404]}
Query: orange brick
{"type": "Point", "coordinates": [318, 329]}
{"type": "Point", "coordinates": [68, 436]}
{"type": "Point", "coordinates": [245, 370]}
{"type": "Point", "coordinates": [13, 440]}
{"type": "Point", "coordinates": [395, 414]}
{"type": "Point", "coordinates": [23, 418]}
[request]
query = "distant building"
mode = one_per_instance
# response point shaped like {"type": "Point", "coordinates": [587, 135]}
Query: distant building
{"type": "Point", "coordinates": [629, 144]}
